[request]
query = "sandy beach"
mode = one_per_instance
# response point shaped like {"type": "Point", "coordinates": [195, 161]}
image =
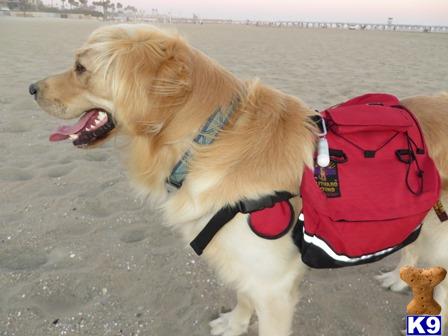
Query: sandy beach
{"type": "Point", "coordinates": [81, 255]}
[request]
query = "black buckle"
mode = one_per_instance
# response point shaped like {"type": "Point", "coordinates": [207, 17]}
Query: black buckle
{"type": "Point", "coordinates": [338, 156]}
{"type": "Point", "coordinates": [420, 151]}
{"type": "Point", "coordinates": [405, 155]}
{"type": "Point", "coordinates": [248, 206]}
{"type": "Point", "coordinates": [369, 154]}
{"type": "Point", "coordinates": [318, 120]}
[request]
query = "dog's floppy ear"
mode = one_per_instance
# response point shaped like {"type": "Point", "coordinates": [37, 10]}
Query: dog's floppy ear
{"type": "Point", "coordinates": [173, 77]}
{"type": "Point", "coordinates": [148, 71]}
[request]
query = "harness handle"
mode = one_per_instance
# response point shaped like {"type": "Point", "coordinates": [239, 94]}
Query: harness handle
{"type": "Point", "coordinates": [227, 213]}
{"type": "Point", "coordinates": [405, 155]}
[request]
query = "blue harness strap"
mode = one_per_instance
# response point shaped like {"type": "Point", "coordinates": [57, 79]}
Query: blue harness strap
{"type": "Point", "coordinates": [206, 136]}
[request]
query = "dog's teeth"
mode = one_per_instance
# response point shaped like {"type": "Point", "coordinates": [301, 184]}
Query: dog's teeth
{"type": "Point", "coordinates": [102, 115]}
{"type": "Point", "coordinates": [88, 129]}
{"type": "Point", "coordinates": [74, 136]}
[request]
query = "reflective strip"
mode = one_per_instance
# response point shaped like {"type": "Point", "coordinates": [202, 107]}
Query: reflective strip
{"type": "Point", "coordinates": [327, 249]}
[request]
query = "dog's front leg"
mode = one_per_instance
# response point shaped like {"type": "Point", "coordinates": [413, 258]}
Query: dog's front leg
{"type": "Point", "coordinates": [275, 306]}
{"type": "Point", "coordinates": [392, 280]}
{"type": "Point", "coordinates": [275, 316]}
{"type": "Point", "coordinates": [235, 322]}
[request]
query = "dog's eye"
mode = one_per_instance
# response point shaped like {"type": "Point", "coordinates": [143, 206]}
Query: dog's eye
{"type": "Point", "coordinates": [79, 68]}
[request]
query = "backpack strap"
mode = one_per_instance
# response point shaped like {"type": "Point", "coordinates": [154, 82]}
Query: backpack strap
{"type": "Point", "coordinates": [227, 213]}
{"type": "Point", "coordinates": [440, 211]}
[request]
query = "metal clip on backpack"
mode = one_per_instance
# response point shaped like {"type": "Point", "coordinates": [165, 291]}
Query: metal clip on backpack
{"type": "Point", "coordinates": [371, 199]}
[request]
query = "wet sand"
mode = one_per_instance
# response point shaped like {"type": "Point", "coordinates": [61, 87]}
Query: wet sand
{"type": "Point", "coordinates": [80, 255]}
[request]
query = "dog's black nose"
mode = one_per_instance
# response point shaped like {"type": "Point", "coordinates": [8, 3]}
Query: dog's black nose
{"type": "Point", "coordinates": [33, 89]}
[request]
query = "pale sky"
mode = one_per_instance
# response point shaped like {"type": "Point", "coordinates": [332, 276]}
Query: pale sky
{"type": "Point", "coordinates": [369, 11]}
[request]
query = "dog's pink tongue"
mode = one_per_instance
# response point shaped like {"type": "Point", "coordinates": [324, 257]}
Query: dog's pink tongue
{"type": "Point", "coordinates": [65, 131]}
{"type": "Point", "coordinates": [58, 137]}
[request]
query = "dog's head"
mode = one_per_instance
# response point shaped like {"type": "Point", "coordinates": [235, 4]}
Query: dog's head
{"type": "Point", "coordinates": [117, 79]}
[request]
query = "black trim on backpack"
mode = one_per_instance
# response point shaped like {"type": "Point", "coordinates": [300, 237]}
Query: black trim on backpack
{"type": "Point", "coordinates": [281, 234]}
{"type": "Point", "coordinates": [337, 155]}
{"type": "Point", "coordinates": [315, 257]}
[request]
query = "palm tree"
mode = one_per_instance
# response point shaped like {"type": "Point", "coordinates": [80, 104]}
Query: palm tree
{"type": "Point", "coordinates": [105, 4]}
{"type": "Point", "coordinates": [83, 3]}
{"type": "Point", "coordinates": [63, 4]}
{"type": "Point", "coordinates": [72, 3]}
{"type": "Point", "coordinates": [131, 8]}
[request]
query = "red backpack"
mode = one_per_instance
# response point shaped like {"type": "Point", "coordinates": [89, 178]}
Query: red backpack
{"type": "Point", "coordinates": [380, 184]}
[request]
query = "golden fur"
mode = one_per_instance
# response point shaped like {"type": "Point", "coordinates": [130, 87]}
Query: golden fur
{"type": "Point", "coordinates": [160, 91]}
{"type": "Point", "coordinates": [430, 249]}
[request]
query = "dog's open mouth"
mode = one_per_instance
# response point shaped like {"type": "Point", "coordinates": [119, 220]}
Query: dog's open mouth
{"type": "Point", "coordinates": [94, 125]}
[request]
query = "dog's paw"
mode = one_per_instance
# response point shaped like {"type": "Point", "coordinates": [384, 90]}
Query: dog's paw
{"type": "Point", "coordinates": [225, 325]}
{"type": "Point", "coordinates": [392, 281]}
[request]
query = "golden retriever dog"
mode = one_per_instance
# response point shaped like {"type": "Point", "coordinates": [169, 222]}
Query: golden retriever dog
{"type": "Point", "coordinates": [158, 91]}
